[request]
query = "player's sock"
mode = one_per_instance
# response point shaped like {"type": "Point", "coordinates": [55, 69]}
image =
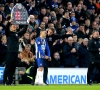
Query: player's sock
{"type": "Point", "coordinates": [37, 77]}
{"type": "Point", "coordinates": [41, 77]}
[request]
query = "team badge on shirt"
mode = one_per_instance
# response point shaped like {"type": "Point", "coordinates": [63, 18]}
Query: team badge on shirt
{"type": "Point", "coordinates": [38, 42]}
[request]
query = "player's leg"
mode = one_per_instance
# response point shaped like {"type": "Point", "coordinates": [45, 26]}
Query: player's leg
{"type": "Point", "coordinates": [40, 69]}
{"type": "Point", "coordinates": [13, 67]}
{"type": "Point", "coordinates": [89, 72]}
{"type": "Point", "coordinates": [7, 68]}
{"type": "Point", "coordinates": [45, 72]}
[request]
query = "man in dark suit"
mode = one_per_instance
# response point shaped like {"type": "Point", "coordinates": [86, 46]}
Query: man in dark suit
{"type": "Point", "coordinates": [12, 51]}
{"type": "Point", "coordinates": [94, 55]}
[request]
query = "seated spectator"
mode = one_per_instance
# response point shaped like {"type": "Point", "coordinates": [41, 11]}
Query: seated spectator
{"type": "Point", "coordinates": [56, 60]}
{"type": "Point", "coordinates": [27, 54]}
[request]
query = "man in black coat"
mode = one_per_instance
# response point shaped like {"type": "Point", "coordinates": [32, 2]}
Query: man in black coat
{"type": "Point", "coordinates": [12, 51]}
{"type": "Point", "coordinates": [70, 54]}
{"type": "Point", "coordinates": [83, 54]}
{"type": "Point", "coordinates": [94, 55]}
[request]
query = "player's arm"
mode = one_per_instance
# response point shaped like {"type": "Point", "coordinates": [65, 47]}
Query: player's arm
{"type": "Point", "coordinates": [38, 47]}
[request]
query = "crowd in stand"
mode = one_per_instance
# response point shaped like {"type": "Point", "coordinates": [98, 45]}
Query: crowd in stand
{"type": "Point", "coordinates": [69, 25]}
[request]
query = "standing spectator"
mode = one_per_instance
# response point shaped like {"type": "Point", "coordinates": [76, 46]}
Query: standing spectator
{"type": "Point", "coordinates": [83, 54]}
{"type": "Point", "coordinates": [70, 53]}
{"type": "Point", "coordinates": [80, 15]}
{"type": "Point", "coordinates": [9, 8]}
{"type": "Point", "coordinates": [26, 4]}
{"type": "Point", "coordinates": [42, 14]}
{"type": "Point", "coordinates": [36, 14]}
{"type": "Point", "coordinates": [42, 26]}
{"type": "Point", "coordinates": [32, 22]}
{"type": "Point", "coordinates": [81, 32]}
{"type": "Point", "coordinates": [46, 20]}
{"type": "Point", "coordinates": [65, 19]}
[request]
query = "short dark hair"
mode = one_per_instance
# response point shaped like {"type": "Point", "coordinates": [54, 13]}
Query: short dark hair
{"type": "Point", "coordinates": [28, 45]}
{"type": "Point", "coordinates": [94, 31]}
{"type": "Point", "coordinates": [82, 24]}
{"type": "Point", "coordinates": [52, 29]}
{"type": "Point", "coordinates": [74, 35]}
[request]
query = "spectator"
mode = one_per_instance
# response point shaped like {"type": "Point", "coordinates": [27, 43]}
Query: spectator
{"type": "Point", "coordinates": [81, 33]}
{"type": "Point", "coordinates": [84, 54]}
{"type": "Point", "coordinates": [42, 14]}
{"type": "Point", "coordinates": [27, 55]}
{"type": "Point", "coordinates": [70, 54]}
{"type": "Point", "coordinates": [80, 15]}
{"type": "Point", "coordinates": [56, 60]}
{"type": "Point", "coordinates": [74, 25]}
{"type": "Point", "coordinates": [46, 19]}
{"type": "Point", "coordinates": [2, 8]}
{"type": "Point", "coordinates": [65, 19]}
{"type": "Point", "coordinates": [3, 46]}
{"type": "Point", "coordinates": [9, 8]}
{"type": "Point", "coordinates": [36, 14]}
{"type": "Point", "coordinates": [98, 6]}
{"type": "Point", "coordinates": [42, 26]}
{"type": "Point", "coordinates": [32, 22]}
{"type": "Point", "coordinates": [1, 21]}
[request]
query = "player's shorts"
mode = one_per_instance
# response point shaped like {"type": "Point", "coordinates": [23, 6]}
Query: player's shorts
{"type": "Point", "coordinates": [40, 62]}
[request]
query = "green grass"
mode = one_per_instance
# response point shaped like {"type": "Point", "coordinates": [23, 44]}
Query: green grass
{"type": "Point", "coordinates": [51, 87]}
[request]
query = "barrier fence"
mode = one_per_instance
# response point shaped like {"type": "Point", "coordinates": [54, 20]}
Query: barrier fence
{"type": "Point", "coordinates": [58, 75]}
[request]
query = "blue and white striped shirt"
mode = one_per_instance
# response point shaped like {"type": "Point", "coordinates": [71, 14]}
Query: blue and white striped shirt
{"type": "Point", "coordinates": [42, 48]}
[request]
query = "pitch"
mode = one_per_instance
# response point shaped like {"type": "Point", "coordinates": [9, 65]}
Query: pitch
{"type": "Point", "coordinates": [52, 87]}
